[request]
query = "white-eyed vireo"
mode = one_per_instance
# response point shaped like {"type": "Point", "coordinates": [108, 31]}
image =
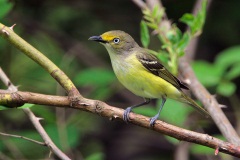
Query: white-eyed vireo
{"type": "Point", "coordinates": [142, 73]}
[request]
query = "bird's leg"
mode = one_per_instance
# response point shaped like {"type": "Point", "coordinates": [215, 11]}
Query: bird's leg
{"type": "Point", "coordinates": [153, 119]}
{"type": "Point", "coordinates": [129, 109]}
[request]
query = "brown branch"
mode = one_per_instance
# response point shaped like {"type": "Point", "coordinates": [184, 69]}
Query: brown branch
{"type": "Point", "coordinates": [35, 120]}
{"type": "Point", "coordinates": [105, 110]}
{"type": "Point", "coordinates": [209, 102]}
{"type": "Point", "coordinates": [204, 96]}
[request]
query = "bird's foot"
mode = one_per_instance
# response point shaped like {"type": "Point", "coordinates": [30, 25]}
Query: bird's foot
{"type": "Point", "coordinates": [152, 120]}
{"type": "Point", "coordinates": [126, 114]}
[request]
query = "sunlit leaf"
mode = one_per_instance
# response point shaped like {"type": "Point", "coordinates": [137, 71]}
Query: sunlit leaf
{"type": "Point", "coordinates": [234, 72]}
{"type": "Point", "coordinates": [182, 44]}
{"type": "Point", "coordinates": [96, 156]}
{"type": "Point", "coordinates": [188, 19]}
{"type": "Point", "coordinates": [3, 108]}
{"type": "Point", "coordinates": [226, 88]}
{"type": "Point", "coordinates": [145, 38]}
{"type": "Point", "coordinates": [208, 74]}
{"type": "Point", "coordinates": [199, 149]}
{"type": "Point", "coordinates": [228, 57]}
{"type": "Point", "coordinates": [146, 111]}
{"type": "Point", "coordinates": [5, 7]}
{"type": "Point", "coordinates": [73, 135]}
{"type": "Point", "coordinates": [94, 76]}
{"type": "Point", "coordinates": [26, 105]}
{"type": "Point", "coordinates": [172, 140]}
{"type": "Point", "coordinates": [174, 112]}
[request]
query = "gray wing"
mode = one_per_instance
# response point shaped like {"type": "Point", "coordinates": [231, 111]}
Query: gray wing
{"type": "Point", "coordinates": [152, 63]}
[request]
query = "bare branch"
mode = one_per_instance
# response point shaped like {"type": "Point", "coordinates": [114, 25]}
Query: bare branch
{"type": "Point", "coordinates": [34, 120]}
{"type": "Point", "coordinates": [22, 137]}
{"type": "Point", "coordinates": [44, 135]}
{"type": "Point", "coordinates": [102, 109]}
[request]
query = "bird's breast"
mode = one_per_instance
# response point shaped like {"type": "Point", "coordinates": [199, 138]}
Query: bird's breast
{"type": "Point", "coordinates": [136, 78]}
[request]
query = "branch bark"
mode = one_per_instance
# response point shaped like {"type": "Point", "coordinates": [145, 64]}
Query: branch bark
{"type": "Point", "coordinates": [105, 110]}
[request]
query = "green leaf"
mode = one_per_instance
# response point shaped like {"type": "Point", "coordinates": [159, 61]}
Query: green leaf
{"type": "Point", "coordinates": [228, 57]}
{"type": "Point", "coordinates": [199, 19]}
{"type": "Point", "coordinates": [73, 135]}
{"type": "Point", "coordinates": [171, 36]}
{"type": "Point", "coordinates": [174, 112]}
{"type": "Point", "coordinates": [3, 108]}
{"type": "Point", "coordinates": [182, 44]}
{"type": "Point", "coordinates": [149, 19]}
{"type": "Point", "coordinates": [26, 105]}
{"type": "Point", "coordinates": [95, 76]}
{"type": "Point", "coordinates": [152, 25]}
{"type": "Point", "coordinates": [188, 19]}
{"type": "Point", "coordinates": [146, 110]}
{"type": "Point", "coordinates": [234, 72]}
{"type": "Point", "coordinates": [199, 149]}
{"type": "Point", "coordinates": [145, 38]}
{"type": "Point", "coordinates": [226, 88]}
{"type": "Point", "coordinates": [172, 140]}
{"type": "Point", "coordinates": [155, 11]}
{"type": "Point", "coordinates": [5, 7]}
{"type": "Point", "coordinates": [195, 23]}
{"type": "Point", "coordinates": [208, 74]}
{"type": "Point", "coordinates": [96, 156]}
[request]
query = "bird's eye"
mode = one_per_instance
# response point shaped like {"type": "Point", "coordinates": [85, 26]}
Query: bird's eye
{"type": "Point", "coordinates": [116, 40]}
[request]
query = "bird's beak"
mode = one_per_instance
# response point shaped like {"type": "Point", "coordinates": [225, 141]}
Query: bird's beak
{"type": "Point", "coordinates": [97, 39]}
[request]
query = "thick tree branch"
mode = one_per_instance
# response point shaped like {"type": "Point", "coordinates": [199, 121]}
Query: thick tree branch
{"type": "Point", "coordinates": [102, 109]}
{"type": "Point", "coordinates": [200, 92]}
{"type": "Point", "coordinates": [210, 103]}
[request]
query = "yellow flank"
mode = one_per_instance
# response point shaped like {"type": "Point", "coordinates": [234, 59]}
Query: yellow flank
{"type": "Point", "coordinates": [132, 74]}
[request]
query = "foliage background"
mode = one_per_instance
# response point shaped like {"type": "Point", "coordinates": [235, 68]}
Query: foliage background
{"type": "Point", "coordinates": [60, 30]}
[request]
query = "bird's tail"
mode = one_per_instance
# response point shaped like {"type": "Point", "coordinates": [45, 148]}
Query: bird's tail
{"type": "Point", "coordinates": [195, 105]}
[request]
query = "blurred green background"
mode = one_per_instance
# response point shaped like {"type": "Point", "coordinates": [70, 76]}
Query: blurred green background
{"type": "Point", "coordinates": [60, 29]}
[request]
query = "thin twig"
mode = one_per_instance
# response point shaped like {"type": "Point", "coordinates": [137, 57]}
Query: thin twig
{"type": "Point", "coordinates": [28, 139]}
{"type": "Point", "coordinates": [34, 120]}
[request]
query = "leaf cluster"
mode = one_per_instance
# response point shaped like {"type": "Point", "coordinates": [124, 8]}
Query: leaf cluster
{"type": "Point", "coordinates": [173, 40]}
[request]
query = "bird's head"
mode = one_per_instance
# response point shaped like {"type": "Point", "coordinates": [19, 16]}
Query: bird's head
{"type": "Point", "coordinates": [117, 41]}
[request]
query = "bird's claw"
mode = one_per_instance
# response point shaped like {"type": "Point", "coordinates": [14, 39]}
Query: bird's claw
{"type": "Point", "coordinates": [126, 114]}
{"type": "Point", "coordinates": [153, 120]}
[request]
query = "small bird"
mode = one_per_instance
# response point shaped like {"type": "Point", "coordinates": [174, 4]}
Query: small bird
{"type": "Point", "coordinates": [142, 73]}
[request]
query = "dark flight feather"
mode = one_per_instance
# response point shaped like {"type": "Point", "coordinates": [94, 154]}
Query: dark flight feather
{"type": "Point", "coordinates": [152, 63]}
